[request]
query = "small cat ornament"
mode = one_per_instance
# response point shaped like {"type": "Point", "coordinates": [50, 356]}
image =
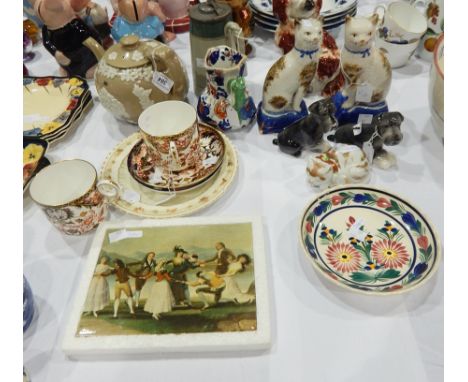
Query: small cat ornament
{"type": "Point", "coordinates": [367, 71]}
{"type": "Point", "coordinates": [289, 78]}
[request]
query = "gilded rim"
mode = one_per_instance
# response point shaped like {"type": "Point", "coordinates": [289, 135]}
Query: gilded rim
{"type": "Point", "coordinates": [370, 292]}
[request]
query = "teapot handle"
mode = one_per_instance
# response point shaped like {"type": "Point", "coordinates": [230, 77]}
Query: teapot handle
{"type": "Point", "coordinates": [157, 62]}
{"type": "Point", "coordinates": [94, 47]}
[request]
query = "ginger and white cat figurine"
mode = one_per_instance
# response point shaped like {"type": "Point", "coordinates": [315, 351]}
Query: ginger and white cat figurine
{"type": "Point", "coordinates": [363, 63]}
{"type": "Point", "coordinates": [289, 78]}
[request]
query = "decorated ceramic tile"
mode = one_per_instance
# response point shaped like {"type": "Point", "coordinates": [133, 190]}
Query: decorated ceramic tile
{"type": "Point", "coordinates": [137, 199]}
{"type": "Point", "coordinates": [141, 164]}
{"type": "Point", "coordinates": [51, 105]}
{"type": "Point", "coordinates": [369, 240]}
{"type": "Point", "coordinates": [34, 150]}
{"type": "Point", "coordinates": [190, 284]}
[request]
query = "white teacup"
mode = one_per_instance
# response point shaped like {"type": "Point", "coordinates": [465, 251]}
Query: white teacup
{"type": "Point", "coordinates": [398, 54]}
{"type": "Point", "coordinates": [401, 22]}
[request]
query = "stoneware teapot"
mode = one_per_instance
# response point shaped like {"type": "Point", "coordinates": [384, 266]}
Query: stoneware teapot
{"type": "Point", "coordinates": [135, 74]}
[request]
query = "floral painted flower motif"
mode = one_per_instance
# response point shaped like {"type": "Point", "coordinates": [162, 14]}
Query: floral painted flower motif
{"type": "Point", "coordinates": [370, 266]}
{"type": "Point", "coordinates": [76, 92]}
{"type": "Point", "coordinates": [49, 127]}
{"type": "Point", "coordinates": [32, 153]}
{"type": "Point", "coordinates": [423, 242]}
{"type": "Point", "coordinates": [220, 109]}
{"type": "Point", "coordinates": [75, 81]}
{"type": "Point", "coordinates": [383, 203]}
{"type": "Point", "coordinates": [390, 254]}
{"type": "Point", "coordinates": [43, 81]}
{"type": "Point", "coordinates": [336, 199]}
{"type": "Point", "coordinates": [343, 257]}
{"type": "Point", "coordinates": [308, 227]}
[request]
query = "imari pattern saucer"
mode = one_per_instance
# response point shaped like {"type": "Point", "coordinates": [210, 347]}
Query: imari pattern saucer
{"type": "Point", "coordinates": [369, 240]}
{"type": "Point", "coordinates": [142, 167]}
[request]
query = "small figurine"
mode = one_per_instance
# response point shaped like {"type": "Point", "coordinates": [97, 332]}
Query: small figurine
{"type": "Point", "coordinates": [289, 78]}
{"type": "Point", "coordinates": [288, 13]}
{"type": "Point", "coordinates": [385, 130]}
{"type": "Point", "coordinates": [342, 164]}
{"type": "Point", "coordinates": [95, 16]}
{"type": "Point", "coordinates": [308, 132]}
{"type": "Point", "coordinates": [329, 78]}
{"type": "Point", "coordinates": [225, 103]}
{"type": "Point", "coordinates": [142, 18]}
{"type": "Point", "coordinates": [367, 71]}
{"type": "Point", "coordinates": [64, 34]}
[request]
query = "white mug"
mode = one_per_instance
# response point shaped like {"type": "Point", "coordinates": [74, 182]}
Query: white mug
{"type": "Point", "coordinates": [398, 54]}
{"type": "Point", "coordinates": [401, 23]}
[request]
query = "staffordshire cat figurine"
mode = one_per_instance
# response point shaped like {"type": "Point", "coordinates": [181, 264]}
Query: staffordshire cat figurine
{"type": "Point", "coordinates": [362, 62]}
{"type": "Point", "coordinates": [289, 78]}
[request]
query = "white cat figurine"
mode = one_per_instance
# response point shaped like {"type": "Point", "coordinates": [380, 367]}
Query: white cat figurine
{"type": "Point", "coordinates": [289, 78]}
{"type": "Point", "coordinates": [364, 65]}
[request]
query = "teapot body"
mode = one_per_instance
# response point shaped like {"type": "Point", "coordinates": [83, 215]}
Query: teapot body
{"type": "Point", "coordinates": [125, 78]}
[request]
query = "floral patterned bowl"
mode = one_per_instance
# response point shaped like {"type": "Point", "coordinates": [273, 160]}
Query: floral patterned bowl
{"type": "Point", "coordinates": [369, 240]}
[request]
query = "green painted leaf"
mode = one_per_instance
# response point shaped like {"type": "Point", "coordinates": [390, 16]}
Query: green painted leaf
{"type": "Point", "coordinates": [388, 274]}
{"type": "Point", "coordinates": [362, 277]}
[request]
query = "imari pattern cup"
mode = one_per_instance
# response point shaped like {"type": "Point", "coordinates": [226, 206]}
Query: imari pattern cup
{"type": "Point", "coordinates": [170, 130]}
{"type": "Point", "coordinates": [71, 196]}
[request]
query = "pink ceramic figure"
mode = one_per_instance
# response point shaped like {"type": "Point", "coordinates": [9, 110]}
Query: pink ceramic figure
{"type": "Point", "coordinates": [63, 36]}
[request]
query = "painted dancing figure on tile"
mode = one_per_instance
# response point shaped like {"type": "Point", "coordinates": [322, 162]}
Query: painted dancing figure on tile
{"type": "Point", "coordinates": [122, 284]}
{"type": "Point", "coordinates": [144, 272]}
{"type": "Point", "coordinates": [98, 292]}
{"type": "Point", "coordinates": [160, 299]}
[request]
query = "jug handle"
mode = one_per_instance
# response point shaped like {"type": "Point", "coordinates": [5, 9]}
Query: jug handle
{"type": "Point", "coordinates": [94, 47]}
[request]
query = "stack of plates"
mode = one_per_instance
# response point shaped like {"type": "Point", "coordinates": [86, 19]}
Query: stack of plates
{"type": "Point", "coordinates": [334, 13]}
{"type": "Point", "coordinates": [52, 106]}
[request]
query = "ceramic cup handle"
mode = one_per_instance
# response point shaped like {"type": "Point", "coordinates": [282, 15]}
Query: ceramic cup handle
{"type": "Point", "coordinates": [174, 154]}
{"type": "Point", "coordinates": [383, 9]}
{"type": "Point", "coordinates": [109, 189]}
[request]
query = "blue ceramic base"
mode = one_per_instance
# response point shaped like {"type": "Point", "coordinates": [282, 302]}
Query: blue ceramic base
{"type": "Point", "coordinates": [273, 123]}
{"type": "Point", "coordinates": [351, 115]}
{"type": "Point", "coordinates": [246, 114]}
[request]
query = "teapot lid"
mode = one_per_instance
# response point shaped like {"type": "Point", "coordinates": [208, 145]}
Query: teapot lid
{"type": "Point", "coordinates": [128, 53]}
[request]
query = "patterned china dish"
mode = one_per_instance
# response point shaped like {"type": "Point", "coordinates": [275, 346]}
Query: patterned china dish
{"type": "Point", "coordinates": [143, 169]}
{"type": "Point", "coordinates": [34, 150]}
{"type": "Point", "coordinates": [53, 105]}
{"type": "Point", "coordinates": [369, 240]}
{"type": "Point", "coordinates": [28, 305]}
{"type": "Point", "coordinates": [137, 199]}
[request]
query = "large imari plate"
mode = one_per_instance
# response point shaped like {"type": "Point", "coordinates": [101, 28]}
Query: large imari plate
{"type": "Point", "coordinates": [369, 240]}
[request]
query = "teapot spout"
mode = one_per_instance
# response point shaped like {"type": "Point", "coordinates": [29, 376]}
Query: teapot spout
{"type": "Point", "coordinates": [95, 47]}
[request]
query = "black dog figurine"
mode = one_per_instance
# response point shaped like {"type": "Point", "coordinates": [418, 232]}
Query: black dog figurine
{"type": "Point", "coordinates": [384, 130]}
{"type": "Point", "coordinates": [307, 133]}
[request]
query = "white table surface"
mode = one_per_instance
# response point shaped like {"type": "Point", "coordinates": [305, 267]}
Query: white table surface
{"type": "Point", "coordinates": [320, 332]}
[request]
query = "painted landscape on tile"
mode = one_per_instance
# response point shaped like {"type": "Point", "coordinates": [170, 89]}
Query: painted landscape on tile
{"type": "Point", "coordinates": [172, 280]}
